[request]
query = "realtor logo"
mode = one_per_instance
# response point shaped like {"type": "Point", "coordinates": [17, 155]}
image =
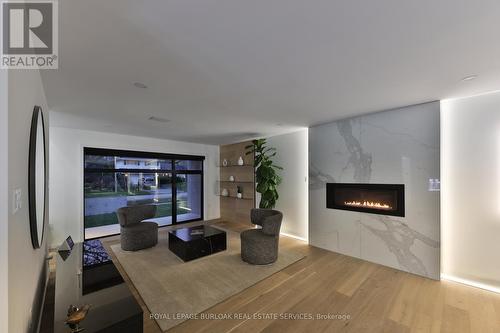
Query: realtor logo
{"type": "Point", "coordinates": [29, 35]}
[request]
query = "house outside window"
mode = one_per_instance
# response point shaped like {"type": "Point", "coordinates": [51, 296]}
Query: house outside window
{"type": "Point", "coordinates": [115, 179]}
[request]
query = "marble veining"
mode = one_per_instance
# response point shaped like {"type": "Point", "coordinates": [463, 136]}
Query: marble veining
{"type": "Point", "coordinates": [393, 147]}
{"type": "Point", "coordinates": [358, 159]}
{"type": "Point", "coordinates": [318, 179]}
{"type": "Point", "coordinates": [399, 239]}
{"type": "Point", "coordinates": [403, 135]}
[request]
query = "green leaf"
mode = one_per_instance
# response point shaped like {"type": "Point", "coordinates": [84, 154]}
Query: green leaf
{"type": "Point", "coordinates": [266, 176]}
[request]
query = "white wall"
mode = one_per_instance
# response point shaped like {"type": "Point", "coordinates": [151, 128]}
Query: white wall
{"type": "Point", "coordinates": [26, 265]}
{"type": "Point", "coordinates": [470, 163]}
{"type": "Point", "coordinates": [398, 146]}
{"type": "Point", "coordinates": [4, 208]}
{"type": "Point", "coordinates": [66, 169]}
{"type": "Point", "coordinates": [292, 155]}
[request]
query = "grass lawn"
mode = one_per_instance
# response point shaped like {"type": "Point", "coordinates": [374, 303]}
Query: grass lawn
{"type": "Point", "coordinates": [99, 194]}
{"type": "Point", "coordinates": [163, 210]}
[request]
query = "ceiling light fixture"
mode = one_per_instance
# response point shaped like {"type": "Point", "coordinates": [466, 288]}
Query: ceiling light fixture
{"type": "Point", "coordinates": [159, 119]}
{"type": "Point", "coordinates": [140, 85]}
{"type": "Point", "coordinates": [469, 78]}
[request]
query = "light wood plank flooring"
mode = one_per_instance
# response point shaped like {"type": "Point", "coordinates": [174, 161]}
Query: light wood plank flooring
{"type": "Point", "coordinates": [376, 299]}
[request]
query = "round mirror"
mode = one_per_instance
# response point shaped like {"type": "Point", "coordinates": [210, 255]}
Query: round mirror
{"type": "Point", "coordinates": [37, 177]}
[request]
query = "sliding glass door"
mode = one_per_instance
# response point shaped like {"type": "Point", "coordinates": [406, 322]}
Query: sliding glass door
{"type": "Point", "coordinates": [189, 197]}
{"type": "Point", "coordinates": [115, 178]}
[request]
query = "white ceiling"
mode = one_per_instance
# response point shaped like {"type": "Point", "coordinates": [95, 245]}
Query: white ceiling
{"type": "Point", "coordinates": [225, 70]}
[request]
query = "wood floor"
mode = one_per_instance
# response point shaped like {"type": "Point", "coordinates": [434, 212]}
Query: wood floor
{"type": "Point", "coordinates": [373, 297]}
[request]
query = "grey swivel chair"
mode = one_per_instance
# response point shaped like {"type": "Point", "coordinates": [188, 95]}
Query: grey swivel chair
{"type": "Point", "coordinates": [260, 246]}
{"type": "Point", "coordinates": [135, 234]}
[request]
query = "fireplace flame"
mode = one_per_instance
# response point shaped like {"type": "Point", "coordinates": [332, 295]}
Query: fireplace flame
{"type": "Point", "coordinates": [368, 204]}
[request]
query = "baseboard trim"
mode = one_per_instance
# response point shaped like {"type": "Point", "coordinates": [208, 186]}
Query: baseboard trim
{"type": "Point", "coordinates": [470, 283]}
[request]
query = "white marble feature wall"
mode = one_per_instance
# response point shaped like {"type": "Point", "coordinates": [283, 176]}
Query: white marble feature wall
{"type": "Point", "coordinates": [399, 146]}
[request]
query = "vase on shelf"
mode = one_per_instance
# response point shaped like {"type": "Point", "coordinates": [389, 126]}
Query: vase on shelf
{"type": "Point", "coordinates": [240, 161]}
{"type": "Point", "coordinates": [225, 192]}
{"type": "Point", "coordinates": [231, 178]}
{"type": "Point", "coordinates": [224, 162]}
{"type": "Point", "coordinates": [239, 193]}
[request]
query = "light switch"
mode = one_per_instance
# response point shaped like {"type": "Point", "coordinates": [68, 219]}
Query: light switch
{"type": "Point", "coordinates": [434, 185]}
{"type": "Point", "coordinates": [17, 202]}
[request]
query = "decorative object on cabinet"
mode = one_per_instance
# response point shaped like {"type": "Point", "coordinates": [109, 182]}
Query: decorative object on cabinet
{"type": "Point", "coordinates": [240, 161]}
{"type": "Point", "coordinates": [75, 316]}
{"type": "Point", "coordinates": [65, 248]}
{"type": "Point", "coordinates": [225, 192]}
{"type": "Point", "coordinates": [224, 162]}
{"type": "Point", "coordinates": [231, 178]}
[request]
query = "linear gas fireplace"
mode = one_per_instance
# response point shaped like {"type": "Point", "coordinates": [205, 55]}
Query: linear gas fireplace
{"type": "Point", "coordinates": [385, 199]}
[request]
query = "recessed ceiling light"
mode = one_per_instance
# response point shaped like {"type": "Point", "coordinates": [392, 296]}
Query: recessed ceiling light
{"type": "Point", "coordinates": [140, 85]}
{"type": "Point", "coordinates": [159, 119]}
{"type": "Point", "coordinates": [469, 78]}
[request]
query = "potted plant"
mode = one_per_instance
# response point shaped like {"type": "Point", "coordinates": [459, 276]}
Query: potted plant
{"type": "Point", "coordinates": [266, 175]}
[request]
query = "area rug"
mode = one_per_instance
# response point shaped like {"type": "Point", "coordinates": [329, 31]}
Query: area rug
{"type": "Point", "coordinates": [170, 286]}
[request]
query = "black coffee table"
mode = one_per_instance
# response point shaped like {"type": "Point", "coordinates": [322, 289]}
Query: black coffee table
{"type": "Point", "coordinates": [196, 242]}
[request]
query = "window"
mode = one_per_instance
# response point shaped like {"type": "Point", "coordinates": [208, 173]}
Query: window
{"type": "Point", "coordinates": [116, 178]}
